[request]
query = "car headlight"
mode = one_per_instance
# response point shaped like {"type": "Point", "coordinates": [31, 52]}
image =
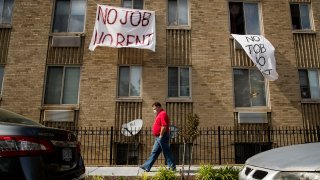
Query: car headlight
{"type": "Point", "coordinates": [297, 176]}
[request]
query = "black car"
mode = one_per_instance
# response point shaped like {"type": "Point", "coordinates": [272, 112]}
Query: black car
{"type": "Point", "coordinates": [29, 150]}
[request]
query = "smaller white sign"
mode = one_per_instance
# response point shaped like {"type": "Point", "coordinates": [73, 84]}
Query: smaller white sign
{"type": "Point", "coordinates": [261, 52]}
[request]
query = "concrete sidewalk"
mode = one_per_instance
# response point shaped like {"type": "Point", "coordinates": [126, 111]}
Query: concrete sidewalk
{"type": "Point", "coordinates": [132, 171]}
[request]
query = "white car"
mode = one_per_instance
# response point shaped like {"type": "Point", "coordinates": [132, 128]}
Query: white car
{"type": "Point", "coordinates": [296, 162]}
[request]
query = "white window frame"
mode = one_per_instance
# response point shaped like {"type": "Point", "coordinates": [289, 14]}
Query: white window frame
{"type": "Point", "coordinates": [132, 4]}
{"type": "Point", "coordinates": [309, 84]}
{"type": "Point", "coordinates": [179, 85]}
{"type": "Point", "coordinates": [251, 108]}
{"type": "Point", "coordinates": [178, 25]}
{"type": "Point", "coordinates": [62, 85]}
{"type": "Point", "coordinates": [310, 17]}
{"type": "Point", "coordinates": [244, 17]}
{"type": "Point", "coordinates": [130, 73]}
{"type": "Point", "coordinates": [69, 14]}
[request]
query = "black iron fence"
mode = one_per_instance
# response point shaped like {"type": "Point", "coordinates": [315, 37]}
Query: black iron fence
{"type": "Point", "coordinates": [215, 145]}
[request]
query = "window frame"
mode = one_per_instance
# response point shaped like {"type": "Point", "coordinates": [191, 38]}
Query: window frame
{"type": "Point", "coordinates": [69, 14]}
{"type": "Point", "coordinates": [179, 83]}
{"type": "Point", "coordinates": [11, 16]}
{"type": "Point", "coordinates": [62, 85]}
{"type": "Point", "coordinates": [244, 17]}
{"type": "Point", "coordinates": [311, 19]}
{"type": "Point", "coordinates": [309, 85]}
{"type": "Point", "coordinates": [129, 90]}
{"type": "Point", "coordinates": [132, 4]}
{"type": "Point", "coordinates": [265, 108]}
{"type": "Point", "coordinates": [178, 26]}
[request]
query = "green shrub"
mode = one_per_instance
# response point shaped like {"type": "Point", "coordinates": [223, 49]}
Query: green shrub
{"type": "Point", "coordinates": [207, 172]}
{"type": "Point", "coordinates": [97, 177]}
{"type": "Point", "coordinates": [144, 176]}
{"type": "Point", "coordinates": [164, 174]}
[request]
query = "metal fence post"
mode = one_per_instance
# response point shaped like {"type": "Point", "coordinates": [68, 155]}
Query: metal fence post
{"type": "Point", "coordinates": [219, 143]}
{"type": "Point", "coordinates": [111, 145]}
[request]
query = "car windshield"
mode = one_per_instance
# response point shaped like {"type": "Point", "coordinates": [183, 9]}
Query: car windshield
{"type": "Point", "coordinates": [10, 117]}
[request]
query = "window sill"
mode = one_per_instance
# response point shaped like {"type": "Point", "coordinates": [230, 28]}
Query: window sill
{"type": "Point", "coordinates": [314, 101]}
{"type": "Point", "coordinates": [184, 99]}
{"type": "Point", "coordinates": [5, 26]}
{"type": "Point", "coordinates": [252, 109]}
{"type": "Point", "coordinates": [129, 99]}
{"type": "Point", "coordinates": [60, 107]}
{"type": "Point", "coordinates": [304, 32]}
{"type": "Point", "coordinates": [179, 27]}
{"type": "Point", "coordinates": [81, 34]}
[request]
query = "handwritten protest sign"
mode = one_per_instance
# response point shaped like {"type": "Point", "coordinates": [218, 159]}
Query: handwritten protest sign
{"type": "Point", "coordinates": [261, 52]}
{"type": "Point", "coordinates": [122, 27]}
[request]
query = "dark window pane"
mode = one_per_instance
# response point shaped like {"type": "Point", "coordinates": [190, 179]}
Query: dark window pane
{"type": "Point", "coordinates": [124, 81]}
{"type": "Point", "coordinates": [138, 4]}
{"type": "Point", "coordinates": [127, 3]}
{"type": "Point", "coordinates": [78, 9]}
{"type": "Point", "coordinates": [61, 16]}
{"type": "Point", "coordinates": [241, 88]}
{"type": "Point", "coordinates": [295, 16]}
{"type": "Point", "coordinates": [135, 80]}
{"type": "Point", "coordinates": [184, 82]}
{"type": "Point", "coordinates": [183, 12]}
{"type": "Point", "coordinates": [257, 93]}
{"type": "Point", "coordinates": [252, 22]}
{"type": "Point", "coordinates": [53, 85]}
{"type": "Point", "coordinates": [314, 84]}
{"type": "Point", "coordinates": [173, 82]}
{"type": "Point", "coordinates": [304, 84]}
{"type": "Point", "coordinates": [236, 18]}
{"type": "Point", "coordinates": [305, 17]}
{"type": "Point", "coordinates": [172, 12]}
{"type": "Point", "coordinates": [71, 85]}
{"type": "Point", "coordinates": [6, 7]}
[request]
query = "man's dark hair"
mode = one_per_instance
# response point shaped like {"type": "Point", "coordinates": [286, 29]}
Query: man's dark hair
{"type": "Point", "coordinates": [157, 104]}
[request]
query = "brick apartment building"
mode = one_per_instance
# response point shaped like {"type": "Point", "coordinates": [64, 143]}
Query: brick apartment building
{"type": "Point", "coordinates": [47, 72]}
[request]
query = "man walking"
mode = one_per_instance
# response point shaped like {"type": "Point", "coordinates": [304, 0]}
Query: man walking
{"type": "Point", "coordinates": [161, 132]}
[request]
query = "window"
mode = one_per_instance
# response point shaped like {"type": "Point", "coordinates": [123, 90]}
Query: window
{"type": "Point", "coordinates": [62, 85]}
{"type": "Point", "coordinates": [6, 7]}
{"type": "Point", "coordinates": [309, 84]}
{"type": "Point", "coordinates": [178, 12]}
{"type": "Point", "coordinates": [300, 16]}
{"type": "Point", "coordinates": [244, 18]}
{"type": "Point", "coordinates": [69, 16]}
{"type": "Point", "coordinates": [249, 88]}
{"type": "Point", "coordinates": [133, 4]}
{"type": "Point", "coordinates": [178, 82]}
{"type": "Point", "coordinates": [1, 77]}
{"type": "Point", "coordinates": [129, 81]}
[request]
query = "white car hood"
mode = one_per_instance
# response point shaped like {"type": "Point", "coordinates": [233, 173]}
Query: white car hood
{"type": "Point", "coordinates": [302, 157]}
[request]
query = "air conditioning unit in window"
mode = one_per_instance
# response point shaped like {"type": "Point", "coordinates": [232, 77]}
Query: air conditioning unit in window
{"type": "Point", "coordinates": [66, 41]}
{"type": "Point", "coordinates": [59, 115]}
{"type": "Point", "coordinates": [252, 117]}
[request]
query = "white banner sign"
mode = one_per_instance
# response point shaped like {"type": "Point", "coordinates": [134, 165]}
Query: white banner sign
{"type": "Point", "coordinates": [122, 27]}
{"type": "Point", "coordinates": [261, 52]}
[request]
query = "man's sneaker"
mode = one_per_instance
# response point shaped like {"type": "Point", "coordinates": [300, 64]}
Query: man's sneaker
{"type": "Point", "coordinates": [142, 167]}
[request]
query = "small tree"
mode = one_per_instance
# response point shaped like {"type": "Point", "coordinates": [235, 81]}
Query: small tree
{"type": "Point", "coordinates": [189, 133]}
